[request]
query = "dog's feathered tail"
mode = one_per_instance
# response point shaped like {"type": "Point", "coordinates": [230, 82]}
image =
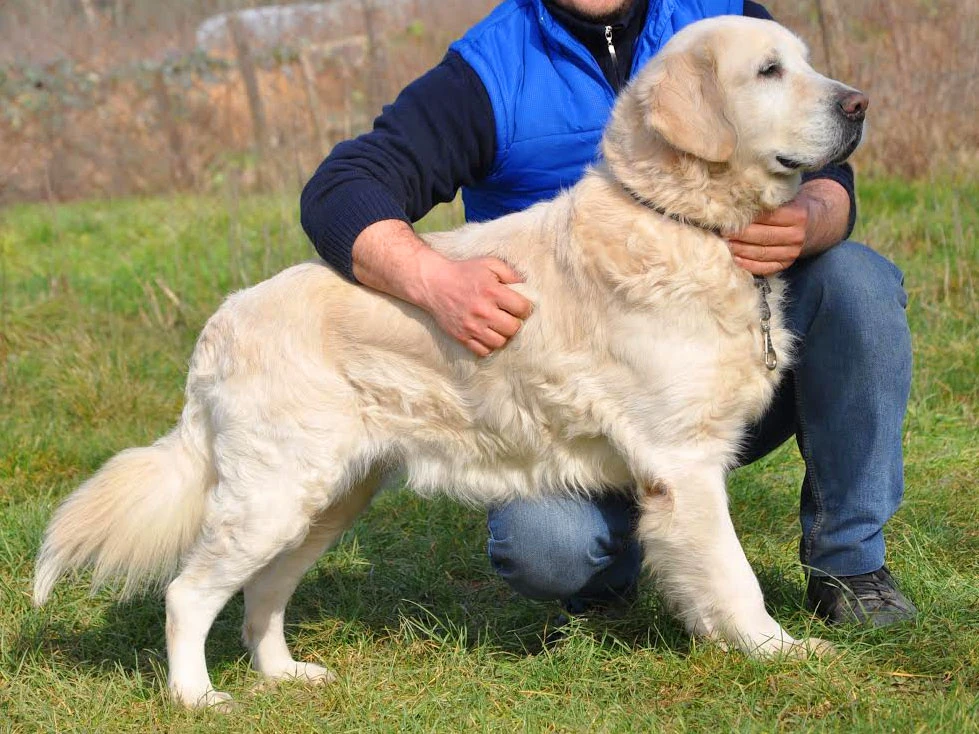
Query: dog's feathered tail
{"type": "Point", "coordinates": [136, 517]}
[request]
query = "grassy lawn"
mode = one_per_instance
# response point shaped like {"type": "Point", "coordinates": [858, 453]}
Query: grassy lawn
{"type": "Point", "coordinates": [100, 304]}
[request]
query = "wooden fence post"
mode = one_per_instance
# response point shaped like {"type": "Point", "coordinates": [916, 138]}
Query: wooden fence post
{"type": "Point", "coordinates": [375, 82]}
{"type": "Point", "coordinates": [308, 72]}
{"type": "Point", "coordinates": [178, 163]}
{"type": "Point", "coordinates": [834, 38]}
{"type": "Point", "coordinates": [91, 17]}
{"type": "Point", "coordinates": [246, 66]}
{"type": "Point", "coordinates": [897, 36]}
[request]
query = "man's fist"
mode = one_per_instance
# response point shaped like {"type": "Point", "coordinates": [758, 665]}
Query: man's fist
{"type": "Point", "coordinates": [470, 300]}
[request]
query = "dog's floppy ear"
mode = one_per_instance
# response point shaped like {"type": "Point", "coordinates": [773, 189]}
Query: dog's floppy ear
{"type": "Point", "coordinates": [682, 102]}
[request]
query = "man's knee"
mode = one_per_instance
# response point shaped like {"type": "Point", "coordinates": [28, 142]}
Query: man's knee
{"type": "Point", "coordinates": [854, 291]}
{"type": "Point", "coordinates": [852, 273]}
{"type": "Point", "coordinates": [550, 550]}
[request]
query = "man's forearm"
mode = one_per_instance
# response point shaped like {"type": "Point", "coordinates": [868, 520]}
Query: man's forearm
{"type": "Point", "coordinates": [389, 257]}
{"type": "Point", "coordinates": [829, 210]}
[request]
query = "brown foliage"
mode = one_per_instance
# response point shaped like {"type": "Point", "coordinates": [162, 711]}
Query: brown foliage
{"type": "Point", "coordinates": [917, 59]}
{"type": "Point", "coordinates": [117, 103]}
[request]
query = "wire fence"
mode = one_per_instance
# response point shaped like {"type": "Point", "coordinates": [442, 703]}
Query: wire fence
{"type": "Point", "coordinates": [68, 130]}
{"type": "Point", "coordinates": [266, 109]}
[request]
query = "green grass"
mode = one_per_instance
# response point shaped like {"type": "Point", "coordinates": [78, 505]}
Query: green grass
{"type": "Point", "coordinates": [100, 303]}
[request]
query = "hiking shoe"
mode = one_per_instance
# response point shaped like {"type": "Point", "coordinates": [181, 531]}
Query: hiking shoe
{"type": "Point", "coordinates": [871, 599]}
{"type": "Point", "coordinates": [611, 607]}
{"type": "Point", "coordinates": [556, 631]}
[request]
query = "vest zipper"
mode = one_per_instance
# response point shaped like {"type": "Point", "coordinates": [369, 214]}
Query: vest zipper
{"type": "Point", "coordinates": [616, 71]}
{"type": "Point", "coordinates": [611, 48]}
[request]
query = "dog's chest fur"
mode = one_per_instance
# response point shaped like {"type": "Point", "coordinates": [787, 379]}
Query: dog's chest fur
{"type": "Point", "coordinates": [648, 333]}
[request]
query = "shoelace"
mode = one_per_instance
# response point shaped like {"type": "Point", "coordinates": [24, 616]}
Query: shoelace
{"type": "Point", "coordinates": [872, 589]}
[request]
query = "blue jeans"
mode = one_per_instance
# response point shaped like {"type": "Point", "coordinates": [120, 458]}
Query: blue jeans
{"type": "Point", "coordinates": [845, 402]}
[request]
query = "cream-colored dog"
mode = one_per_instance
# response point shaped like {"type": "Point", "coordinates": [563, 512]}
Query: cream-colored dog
{"type": "Point", "coordinates": [643, 361]}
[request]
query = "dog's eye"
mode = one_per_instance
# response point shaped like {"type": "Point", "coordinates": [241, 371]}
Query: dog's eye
{"type": "Point", "coordinates": [770, 70]}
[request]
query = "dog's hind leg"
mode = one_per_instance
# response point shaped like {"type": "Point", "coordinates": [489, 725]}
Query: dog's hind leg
{"type": "Point", "coordinates": [268, 592]}
{"type": "Point", "coordinates": [694, 554]}
{"type": "Point", "coordinates": [251, 520]}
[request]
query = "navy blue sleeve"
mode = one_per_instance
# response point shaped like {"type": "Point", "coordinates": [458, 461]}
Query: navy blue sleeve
{"type": "Point", "coordinates": [437, 136]}
{"type": "Point", "coordinates": [842, 173]}
{"type": "Point", "coordinates": [756, 10]}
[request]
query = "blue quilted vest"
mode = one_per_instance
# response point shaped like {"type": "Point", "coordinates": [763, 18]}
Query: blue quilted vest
{"type": "Point", "coordinates": [550, 99]}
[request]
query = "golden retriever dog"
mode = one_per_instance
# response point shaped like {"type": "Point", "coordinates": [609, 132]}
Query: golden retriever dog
{"type": "Point", "coordinates": [646, 356]}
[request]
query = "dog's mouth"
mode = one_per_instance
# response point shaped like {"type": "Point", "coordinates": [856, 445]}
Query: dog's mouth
{"type": "Point", "coordinates": [849, 147]}
{"type": "Point", "coordinates": [791, 165]}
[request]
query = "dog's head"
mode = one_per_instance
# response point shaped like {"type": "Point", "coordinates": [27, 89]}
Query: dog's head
{"type": "Point", "coordinates": [736, 91]}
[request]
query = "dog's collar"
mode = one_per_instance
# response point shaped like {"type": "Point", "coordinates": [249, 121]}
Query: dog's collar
{"type": "Point", "coordinates": [761, 282]}
{"type": "Point", "coordinates": [678, 218]}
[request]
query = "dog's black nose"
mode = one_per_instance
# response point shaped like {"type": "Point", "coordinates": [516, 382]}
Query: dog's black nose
{"type": "Point", "coordinates": [854, 105]}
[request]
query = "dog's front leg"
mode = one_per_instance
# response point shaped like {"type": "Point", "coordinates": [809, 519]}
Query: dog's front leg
{"type": "Point", "coordinates": [695, 557]}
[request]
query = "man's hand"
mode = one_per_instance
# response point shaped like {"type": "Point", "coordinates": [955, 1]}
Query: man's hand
{"type": "Point", "coordinates": [774, 240]}
{"type": "Point", "coordinates": [815, 220]}
{"type": "Point", "coordinates": [470, 300]}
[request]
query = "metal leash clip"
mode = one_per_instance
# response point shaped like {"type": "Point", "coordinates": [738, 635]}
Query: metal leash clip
{"type": "Point", "coordinates": [771, 358]}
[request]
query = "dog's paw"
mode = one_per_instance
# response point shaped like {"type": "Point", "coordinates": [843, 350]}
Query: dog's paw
{"type": "Point", "coordinates": [810, 647]}
{"type": "Point", "coordinates": [220, 701]}
{"type": "Point", "coordinates": [306, 672]}
{"type": "Point", "coordinates": [817, 647]}
{"type": "Point", "coordinates": [211, 700]}
{"type": "Point", "coordinates": [313, 673]}
{"type": "Point", "coordinates": [783, 647]}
